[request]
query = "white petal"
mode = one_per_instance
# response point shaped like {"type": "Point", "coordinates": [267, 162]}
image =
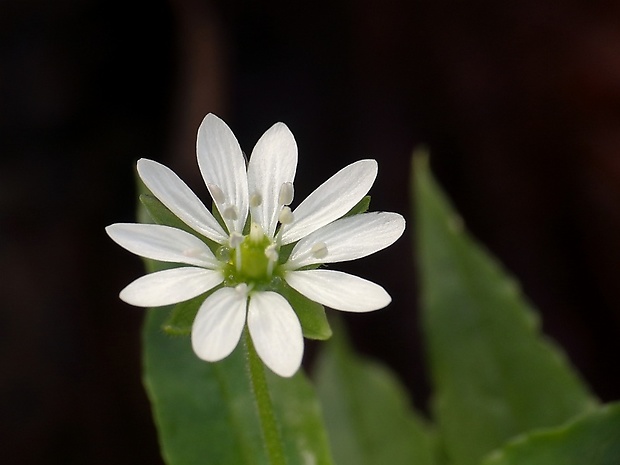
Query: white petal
{"type": "Point", "coordinates": [331, 200]}
{"type": "Point", "coordinates": [162, 243]}
{"type": "Point", "coordinates": [348, 239]}
{"type": "Point", "coordinates": [273, 163]}
{"type": "Point", "coordinates": [337, 290]}
{"type": "Point", "coordinates": [222, 164]}
{"type": "Point", "coordinates": [276, 332]}
{"type": "Point", "coordinates": [219, 324]}
{"type": "Point", "coordinates": [170, 286]}
{"type": "Point", "coordinates": [180, 199]}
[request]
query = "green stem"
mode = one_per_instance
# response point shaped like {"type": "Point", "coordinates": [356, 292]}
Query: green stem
{"type": "Point", "coordinates": [266, 416]}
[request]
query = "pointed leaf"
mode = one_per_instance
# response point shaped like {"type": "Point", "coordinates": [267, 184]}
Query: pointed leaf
{"type": "Point", "coordinates": [593, 439]}
{"type": "Point", "coordinates": [495, 375]}
{"type": "Point", "coordinates": [368, 416]}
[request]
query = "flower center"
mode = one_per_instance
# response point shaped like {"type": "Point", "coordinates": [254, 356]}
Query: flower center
{"type": "Point", "coordinates": [251, 259]}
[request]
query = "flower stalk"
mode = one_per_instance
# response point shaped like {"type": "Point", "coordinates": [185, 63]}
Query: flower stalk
{"type": "Point", "coordinates": [268, 424]}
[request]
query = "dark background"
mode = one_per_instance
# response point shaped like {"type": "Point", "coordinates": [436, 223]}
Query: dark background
{"type": "Point", "coordinates": [518, 101]}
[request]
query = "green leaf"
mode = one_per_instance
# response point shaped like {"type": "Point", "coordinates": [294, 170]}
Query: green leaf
{"type": "Point", "coordinates": [206, 412]}
{"type": "Point", "coordinates": [311, 314]}
{"type": "Point", "coordinates": [495, 375]}
{"type": "Point", "coordinates": [593, 439]}
{"type": "Point", "coordinates": [367, 412]}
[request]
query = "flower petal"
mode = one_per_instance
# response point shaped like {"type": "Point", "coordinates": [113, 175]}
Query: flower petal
{"type": "Point", "coordinates": [331, 200]}
{"type": "Point", "coordinates": [348, 239]}
{"type": "Point", "coordinates": [273, 163]}
{"type": "Point", "coordinates": [179, 198]}
{"type": "Point", "coordinates": [170, 286]}
{"type": "Point", "coordinates": [162, 243]}
{"type": "Point", "coordinates": [219, 323]}
{"type": "Point", "coordinates": [222, 166]}
{"type": "Point", "coordinates": [338, 290]}
{"type": "Point", "coordinates": [276, 332]}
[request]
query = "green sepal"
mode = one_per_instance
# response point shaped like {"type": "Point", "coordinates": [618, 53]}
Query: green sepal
{"type": "Point", "coordinates": [162, 215]}
{"type": "Point", "coordinates": [311, 314]}
{"type": "Point", "coordinates": [182, 315]}
{"type": "Point", "coordinates": [361, 207]}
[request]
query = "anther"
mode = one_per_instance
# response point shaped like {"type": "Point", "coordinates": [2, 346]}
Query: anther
{"type": "Point", "coordinates": [319, 250]}
{"type": "Point", "coordinates": [285, 216]}
{"type": "Point", "coordinates": [286, 193]}
{"type": "Point", "coordinates": [216, 193]}
{"type": "Point", "coordinates": [235, 240]}
{"type": "Point", "coordinates": [255, 200]}
{"type": "Point", "coordinates": [242, 289]}
{"type": "Point", "coordinates": [230, 213]}
{"type": "Point", "coordinates": [271, 253]}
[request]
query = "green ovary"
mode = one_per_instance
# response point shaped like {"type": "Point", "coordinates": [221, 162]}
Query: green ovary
{"type": "Point", "coordinates": [254, 262]}
{"type": "Point", "coordinates": [250, 264]}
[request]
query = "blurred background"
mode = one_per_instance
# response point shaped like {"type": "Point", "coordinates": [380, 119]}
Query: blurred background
{"type": "Point", "coordinates": [518, 101]}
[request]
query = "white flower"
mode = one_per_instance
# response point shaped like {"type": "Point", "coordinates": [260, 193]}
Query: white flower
{"type": "Point", "coordinates": [254, 207]}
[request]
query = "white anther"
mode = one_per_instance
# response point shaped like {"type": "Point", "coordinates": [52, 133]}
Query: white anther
{"type": "Point", "coordinates": [319, 250]}
{"type": "Point", "coordinates": [286, 193]}
{"type": "Point", "coordinates": [230, 213]}
{"type": "Point", "coordinates": [235, 240]}
{"type": "Point", "coordinates": [216, 193]}
{"type": "Point", "coordinates": [255, 200]}
{"type": "Point", "coordinates": [285, 216]}
{"type": "Point", "coordinates": [256, 232]}
{"type": "Point", "coordinates": [271, 252]}
{"type": "Point", "coordinates": [242, 289]}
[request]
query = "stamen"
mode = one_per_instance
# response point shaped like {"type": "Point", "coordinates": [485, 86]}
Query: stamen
{"type": "Point", "coordinates": [271, 252]}
{"type": "Point", "coordinates": [242, 289]}
{"type": "Point", "coordinates": [230, 213]}
{"type": "Point", "coordinates": [235, 240]}
{"type": "Point", "coordinates": [319, 250]}
{"type": "Point", "coordinates": [287, 193]}
{"type": "Point", "coordinates": [216, 193]}
{"type": "Point", "coordinates": [286, 216]}
{"type": "Point", "coordinates": [255, 200]}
